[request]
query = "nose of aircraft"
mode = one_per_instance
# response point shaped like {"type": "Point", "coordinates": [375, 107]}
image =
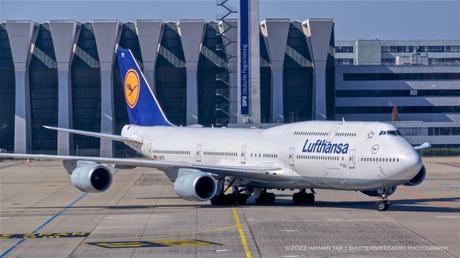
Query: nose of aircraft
{"type": "Point", "coordinates": [411, 163]}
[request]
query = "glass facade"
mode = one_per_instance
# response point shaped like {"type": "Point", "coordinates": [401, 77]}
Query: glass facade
{"type": "Point", "coordinates": [170, 84]}
{"type": "Point", "coordinates": [297, 78]}
{"type": "Point", "coordinates": [265, 82]}
{"type": "Point", "coordinates": [397, 93]}
{"type": "Point", "coordinates": [128, 40]}
{"type": "Point", "coordinates": [411, 49]}
{"type": "Point", "coordinates": [86, 92]}
{"type": "Point", "coordinates": [170, 76]}
{"type": "Point", "coordinates": [213, 80]}
{"type": "Point", "coordinates": [7, 93]}
{"type": "Point", "coordinates": [388, 110]}
{"type": "Point", "coordinates": [330, 79]}
{"type": "Point", "coordinates": [43, 81]}
{"type": "Point", "coordinates": [444, 61]}
{"type": "Point", "coordinates": [400, 76]}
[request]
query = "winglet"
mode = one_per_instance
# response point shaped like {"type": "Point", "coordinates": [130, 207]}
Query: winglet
{"type": "Point", "coordinates": [423, 146]}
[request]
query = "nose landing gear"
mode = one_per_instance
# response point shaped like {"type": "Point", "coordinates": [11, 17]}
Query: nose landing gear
{"type": "Point", "coordinates": [384, 204]}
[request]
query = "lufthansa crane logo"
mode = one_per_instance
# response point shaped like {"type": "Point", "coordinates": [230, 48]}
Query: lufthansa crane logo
{"type": "Point", "coordinates": [132, 87]}
{"type": "Point", "coordinates": [375, 148]}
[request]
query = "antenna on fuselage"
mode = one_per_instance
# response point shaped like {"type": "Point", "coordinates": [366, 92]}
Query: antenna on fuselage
{"type": "Point", "coordinates": [343, 119]}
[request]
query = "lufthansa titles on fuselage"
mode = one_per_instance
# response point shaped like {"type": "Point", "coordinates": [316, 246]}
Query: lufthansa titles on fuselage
{"type": "Point", "coordinates": [323, 146]}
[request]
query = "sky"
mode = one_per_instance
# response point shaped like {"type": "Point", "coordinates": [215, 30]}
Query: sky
{"type": "Point", "coordinates": [354, 19]}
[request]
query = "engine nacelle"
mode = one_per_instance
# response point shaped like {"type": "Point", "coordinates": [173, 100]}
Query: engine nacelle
{"type": "Point", "coordinates": [418, 179]}
{"type": "Point", "coordinates": [195, 185]}
{"type": "Point", "coordinates": [378, 192]}
{"type": "Point", "coordinates": [91, 177]}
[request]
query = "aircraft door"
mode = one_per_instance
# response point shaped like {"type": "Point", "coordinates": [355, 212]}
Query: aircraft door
{"type": "Point", "coordinates": [198, 153]}
{"type": "Point", "coordinates": [243, 154]}
{"type": "Point", "coordinates": [291, 156]}
{"type": "Point", "coordinates": [351, 159]}
{"type": "Point", "coordinates": [332, 132]}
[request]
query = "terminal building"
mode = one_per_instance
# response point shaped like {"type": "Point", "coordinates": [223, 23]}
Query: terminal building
{"type": "Point", "coordinates": [63, 73]}
{"type": "Point", "coordinates": [414, 84]}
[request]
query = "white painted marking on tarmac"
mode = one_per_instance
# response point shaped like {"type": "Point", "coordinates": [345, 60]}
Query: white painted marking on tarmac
{"type": "Point", "coordinates": [289, 230]}
{"type": "Point", "coordinates": [223, 250]}
{"type": "Point", "coordinates": [447, 217]}
{"type": "Point", "coordinates": [361, 220]}
{"type": "Point", "coordinates": [290, 256]}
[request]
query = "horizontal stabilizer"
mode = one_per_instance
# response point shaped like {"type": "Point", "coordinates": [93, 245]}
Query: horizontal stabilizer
{"type": "Point", "coordinates": [112, 137]}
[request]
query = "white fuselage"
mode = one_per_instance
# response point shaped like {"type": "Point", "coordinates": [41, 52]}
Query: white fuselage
{"type": "Point", "coordinates": [315, 154]}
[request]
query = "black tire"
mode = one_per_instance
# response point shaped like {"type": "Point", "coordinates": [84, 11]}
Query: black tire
{"type": "Point", "coordinates": [242, 199]}
{"type": "Point", "coordinates": [260, 200]}
{"type": "Point", "coordinates": [217, 200]}
{"type": "Point", "coordinates": [266, 198]}
{"type": "Point", "coordinates": [271, 198]}
{"type": "Point", "coordinates": [387, 205]}
{"type": "Point", "coordinates": [310, 198]}
{"type": "Point", "coordinates": [296, 198]}
{"type": "Point", "coordinates": [303, 198]}
{"type": "Point", "coordinates": [223, 199]}
{"type": "Point", "coordinates": [382, 205]}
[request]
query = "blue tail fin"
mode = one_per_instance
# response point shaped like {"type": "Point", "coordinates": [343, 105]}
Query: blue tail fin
{"type": "Point", "coordinates": [141, 103]}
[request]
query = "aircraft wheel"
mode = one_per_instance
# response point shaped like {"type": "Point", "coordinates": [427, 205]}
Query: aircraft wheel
{"type": "Point", "coordinates": [310, 198]}
{"type": "Point", "coordinates": [223, 199]}
{"type": "Point", "coordinates": [303, 198]}
{"type": "Point", "coordinates": [266, 198]}
{"type": "Point", "coordinates": [382, 205]}
{"type": "Point", "coordinates": [218, 200]}
{"type": "Point", "coordinates": [296, 198]}
{"type": "Point", "coordinates": [242, 199]}
{"type": "Point", "coordinates": [271, 198]}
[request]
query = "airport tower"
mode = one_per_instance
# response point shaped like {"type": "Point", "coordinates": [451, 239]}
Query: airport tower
{"type": "Point", "coordinates": [269, 40]}
{"type": "Point", "coordinates": [248, 62]}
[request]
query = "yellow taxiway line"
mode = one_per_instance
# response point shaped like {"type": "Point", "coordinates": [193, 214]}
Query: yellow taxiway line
{"type": "Point", "coordinates": [242, 235]}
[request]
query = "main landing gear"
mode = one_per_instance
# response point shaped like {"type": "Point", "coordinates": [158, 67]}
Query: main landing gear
{"type": "Point", "coordinates": [238, 196]}
{"type": "Point", "coordinates": [302, 197]}
{"type": "Point", "coordinates": [265, 198]}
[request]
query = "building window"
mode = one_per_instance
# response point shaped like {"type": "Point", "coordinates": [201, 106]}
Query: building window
{"type": "Point", "coordinates": [400, 76]}
{"type": "Point", "coordinates": [443, 131]}
{"type": "Point", "coordinates": [213, 78]}
{"type": "Point", "coordinates": [396, 93]}
{"type": "Point", "coordinates": [444, 61]}
{"type": "Point", "coordinates": [7, 93]}
{"type": "Point", "coordinates": [344, 49]}
{"type": "Point", "coordinates": [344, 61]}
{"type": "Point", "coordinates": [388, 110]}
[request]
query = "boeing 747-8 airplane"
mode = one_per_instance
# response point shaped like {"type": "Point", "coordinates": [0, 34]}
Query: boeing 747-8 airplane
{"type": "Point", "coordinates": [360, 156]}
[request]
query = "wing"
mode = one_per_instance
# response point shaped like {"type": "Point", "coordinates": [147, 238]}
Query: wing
{"type": "Point", "coordinates": [266, 172]}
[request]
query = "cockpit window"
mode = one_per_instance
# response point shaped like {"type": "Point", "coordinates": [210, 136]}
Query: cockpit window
{"type": "Point", "coordinates": [390, 132]}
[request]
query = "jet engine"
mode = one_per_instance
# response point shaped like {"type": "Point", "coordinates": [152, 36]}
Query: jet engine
{"type": "Point", "coordinates": [91, 177]}
{"type": "Point", "coordinates": [418, 179]}
{"type": "Point", "coordinates": [195, 185]}
{"type": "Point", "coordinates": [378, 192]}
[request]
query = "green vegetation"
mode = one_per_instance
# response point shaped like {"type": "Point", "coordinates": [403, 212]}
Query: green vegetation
{"type": "Point", "coordinates": [441, 151]}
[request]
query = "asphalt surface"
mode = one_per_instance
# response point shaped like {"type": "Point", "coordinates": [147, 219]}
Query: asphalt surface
{"type": "Point", "coordinates": [43, 215]}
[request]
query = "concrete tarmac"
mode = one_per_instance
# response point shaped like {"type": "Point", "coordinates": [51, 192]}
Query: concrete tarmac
{"type": "Point", "coordinates": [141, 216]}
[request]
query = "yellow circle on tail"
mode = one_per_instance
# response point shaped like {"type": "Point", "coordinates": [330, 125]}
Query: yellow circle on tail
{"type": "Point", "coordinates": [132, 87]}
